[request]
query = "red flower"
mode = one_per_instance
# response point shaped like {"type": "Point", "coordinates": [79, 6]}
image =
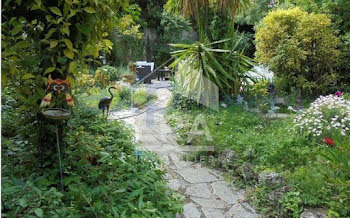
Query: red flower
{"type": "Point", "coordinates": [328, 141]}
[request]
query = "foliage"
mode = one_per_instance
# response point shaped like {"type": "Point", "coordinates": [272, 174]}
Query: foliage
{"type": "Point", "coordinates": [336, 170]}
{"type": "Point", "coordinates": [299, 47]}
{"type": "Point", "coordinates": [314, 181]}
{"type": "Point", "coordinates": [239, 130]}
{"type": "Point", "coordinates": [91, 100]}
{"type": "Point", "coordinates": [259, 91]}
{"type": "Point", "coordinates": [101, 78]}
{"type": "Point", "coordinates": [172, 29]}
{"type": "Point", "coordinates": [291, 203]}
{"type": "Point", "coordinates": [338, 10]}
{"type": "Point", "coordinates": [260, 88]}
{"type": "Point", "coordinates": [124, 71]}
{"type": "Point", "coordinates": [224, 67]}
{"type": "Point", "coordinates": [255, 12]}
{"type": "Point", "coordinates": [202, 10]}
{"type": "Point", "coordinates": [127, 37]}
{"type": "Point", "coordinates": [41, 38]}
{"type": "Point", "coordinates": [111, 72]}
{"type": "Point", "coordinates": [151, 12]}
{"type": "Point", "coordinates": [102, 176]}
{"type": "Point", "coordinates": [140, 97]}
{"type": "Point", "coordinates": [327, 180]}
{"type": "Point", "coordinates": [328, 116]}
{"type": "Point", "coordinates": [125, 48]}
{"type": "Point", "coordinates": [127, 25]}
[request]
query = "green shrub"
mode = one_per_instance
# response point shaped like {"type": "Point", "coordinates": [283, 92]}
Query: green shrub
{"type": "Point", "coordinates": [102, 175]}
{"type": "Point", "coordinates": [124, 71]}
{"type": "Point", "coordinates": [139, 97]}
{"type": "Point", "coordinates": [112, 73]}
{"type": "Point", "coordinates": [298, 46]}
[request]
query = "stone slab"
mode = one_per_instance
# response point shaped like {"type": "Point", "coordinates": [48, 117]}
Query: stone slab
{"type": "Point", "coordinates": [198, 190]}
{"type": "Point", "coordinates": [191, 211]}
{"type": "Point", "coordinates": [242, 210]}
{"type": "Point", "coordinates": [200, 175]}
{"type": "Point", "coordinates": [212, 213]}
{"type": "Point", "coordinates": [173, 184]}
{"type": "Point", "coordinates": [221, 190]}
{"type": "Point", "coordinates": [209, 203]}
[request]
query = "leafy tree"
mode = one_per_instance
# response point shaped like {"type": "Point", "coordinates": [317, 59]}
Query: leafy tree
{"type": "Point", "coordinates": [200, 11]}
{"type": "Point", "coordinates": [127, 37]}
{"type": "Point", "coordinates": [339, 12]}
{"type": "Point", "coordinates": [171, 30]}
{"type": "Point", "coordinates": [256, 11]}
{"type": "Point", "coordinates": [299, 47]}
{"type": "Point", "coordinates": [52, 37]}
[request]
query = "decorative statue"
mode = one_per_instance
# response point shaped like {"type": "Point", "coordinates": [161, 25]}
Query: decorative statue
{"type": "Point", "coordinates": [56, 87]}
{"type": "Point", "coordinates": [271, 89]}
{"type": "Point", "coordinates": [239, 99]}
{"type": "Point", "coordinates": [105, 102]}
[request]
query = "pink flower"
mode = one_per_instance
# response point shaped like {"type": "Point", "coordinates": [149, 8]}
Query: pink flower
{"type": "Point", "coordinates": [338, 94]}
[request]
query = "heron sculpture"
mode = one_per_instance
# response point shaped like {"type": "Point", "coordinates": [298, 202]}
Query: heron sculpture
{"type": "Point", "coordinates": [106, 102]}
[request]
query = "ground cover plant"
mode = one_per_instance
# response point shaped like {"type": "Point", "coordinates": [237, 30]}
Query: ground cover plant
{"type": "Point", "coordinates": [314, 173]}
{"type": "Point", "coordinates": [103, 176]}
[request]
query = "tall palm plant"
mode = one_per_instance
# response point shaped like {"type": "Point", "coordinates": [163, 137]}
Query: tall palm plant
{"type": "Point", "coordinates": [224, 67]}
{"type": "Point", "coordinates": [199, 9]}
{"type": "Point", "coordinates": [218, 61]}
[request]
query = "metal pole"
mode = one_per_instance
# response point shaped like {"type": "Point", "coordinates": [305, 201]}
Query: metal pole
{"type": "Point", "coordinates": [59, 156]}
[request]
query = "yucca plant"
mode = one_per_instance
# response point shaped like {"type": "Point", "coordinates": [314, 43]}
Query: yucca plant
{"type": "Point", "coordinates": [224, 67]}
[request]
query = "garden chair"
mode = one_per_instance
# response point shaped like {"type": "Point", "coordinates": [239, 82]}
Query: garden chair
{"type": "Point", "coordinates": [144, 71]}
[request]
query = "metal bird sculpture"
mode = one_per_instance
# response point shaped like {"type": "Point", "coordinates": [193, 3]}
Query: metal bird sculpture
{"type": "Point", "coordinates": [106, 102]}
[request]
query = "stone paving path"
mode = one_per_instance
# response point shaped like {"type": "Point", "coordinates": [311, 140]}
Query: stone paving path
{"type": "Point", "coordinates": [205, 191]}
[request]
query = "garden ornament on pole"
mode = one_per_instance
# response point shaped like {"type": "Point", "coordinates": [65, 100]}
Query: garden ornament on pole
{"type": "Point", "coordinates": [56, 87]}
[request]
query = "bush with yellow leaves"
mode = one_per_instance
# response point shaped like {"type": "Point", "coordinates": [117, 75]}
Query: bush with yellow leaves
{"type": "Point", "coordinates": [299, 47]}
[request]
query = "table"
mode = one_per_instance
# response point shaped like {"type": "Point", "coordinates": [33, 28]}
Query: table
{"type": "Point", "coordinates": [145, 63]}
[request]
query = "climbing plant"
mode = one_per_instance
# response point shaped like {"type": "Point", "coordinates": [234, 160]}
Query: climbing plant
{"type": "Point", "coordinates": [52, 37]}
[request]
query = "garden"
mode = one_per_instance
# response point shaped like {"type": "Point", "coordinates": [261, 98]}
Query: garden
{"type": "Point", "coordinates": [214, 108]}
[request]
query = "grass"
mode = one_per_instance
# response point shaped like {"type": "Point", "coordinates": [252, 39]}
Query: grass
{"type": "Point", "coordinates": [91, 101]}
{"type": "Point", "coordinates": [123, 100]}
{"type": "Point", "coordinates": [267, 146]}
{"type": "Point", "coordinates": [273, 146]}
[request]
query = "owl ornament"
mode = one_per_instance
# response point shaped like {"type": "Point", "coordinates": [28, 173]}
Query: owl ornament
{"type": "Point", "coordinates": [56, 87]}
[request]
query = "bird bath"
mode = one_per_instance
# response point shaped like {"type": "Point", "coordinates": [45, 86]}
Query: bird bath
{"type": "Point", "coordinates": [57, 114]}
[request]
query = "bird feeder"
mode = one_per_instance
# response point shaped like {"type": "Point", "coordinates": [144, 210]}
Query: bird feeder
{"type": "Point", "coordinates": [56, 87]}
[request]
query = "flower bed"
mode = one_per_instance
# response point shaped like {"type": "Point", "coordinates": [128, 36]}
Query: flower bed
{"type": "Point", "coordinates": [327, 116]}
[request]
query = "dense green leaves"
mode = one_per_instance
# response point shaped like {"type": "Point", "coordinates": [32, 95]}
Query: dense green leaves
{"type": "Point", "coordinates": [41, 38]}
{"type": "Point", "coordinates": [298, 47]}
{"type": "Point", "coordinates": [102, 175]}
{"type": "Point", "coordinates": [224, 67]}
